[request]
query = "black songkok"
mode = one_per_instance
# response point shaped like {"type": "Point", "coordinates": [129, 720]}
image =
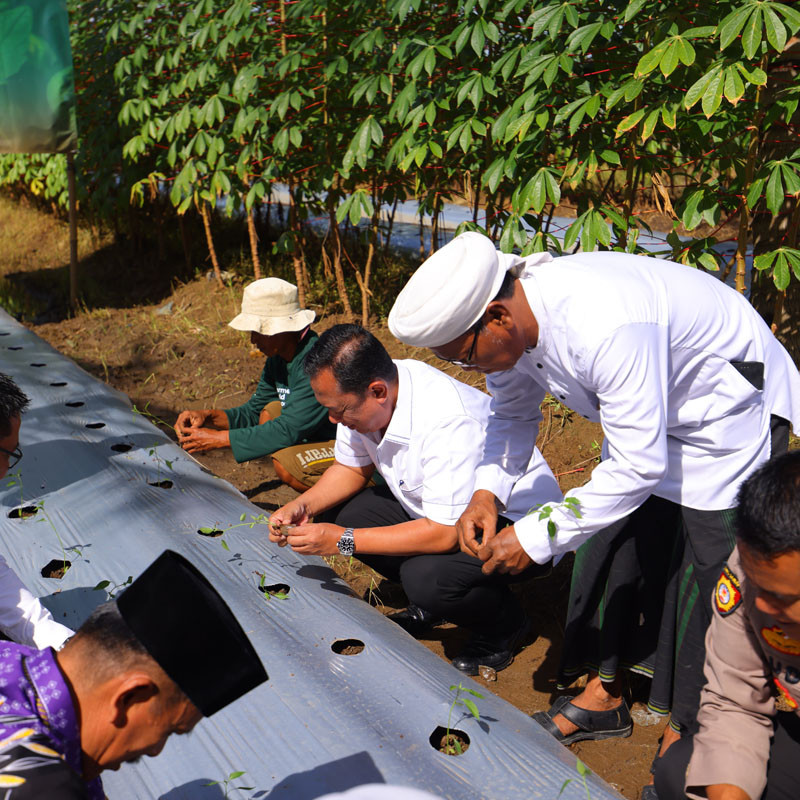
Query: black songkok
{"type": "Point", "coordinates": [191, 633]}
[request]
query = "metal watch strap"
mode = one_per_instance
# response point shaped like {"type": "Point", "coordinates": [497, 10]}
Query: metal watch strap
{"type": "Point", "coordinates": [347, 543]}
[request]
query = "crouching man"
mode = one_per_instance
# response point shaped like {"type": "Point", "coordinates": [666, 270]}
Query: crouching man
{"type": "Point", "coordinates": [424, 433]}
{"type": "Point", "coordinates": [748, 745]}
{"type": "Point", "coordinates": [151, 663]}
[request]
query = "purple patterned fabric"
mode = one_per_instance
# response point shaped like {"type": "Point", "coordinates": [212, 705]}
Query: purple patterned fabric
{"type": "Point", "coordinates": [34, 696]}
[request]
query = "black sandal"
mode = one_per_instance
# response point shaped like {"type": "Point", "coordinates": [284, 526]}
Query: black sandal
{"type": "Point", "coordinates": [592, 725]}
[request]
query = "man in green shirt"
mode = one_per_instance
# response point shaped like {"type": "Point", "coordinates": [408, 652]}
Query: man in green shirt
{"type": "Point", "coordinates": [282, 418]}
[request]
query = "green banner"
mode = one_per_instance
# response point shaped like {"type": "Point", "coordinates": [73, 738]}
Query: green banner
{"type": "Point", "coordinates": [37, 92]}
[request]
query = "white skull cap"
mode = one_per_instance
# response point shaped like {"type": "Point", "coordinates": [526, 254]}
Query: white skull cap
{"type": "Point", "coordinates": [449, 292]}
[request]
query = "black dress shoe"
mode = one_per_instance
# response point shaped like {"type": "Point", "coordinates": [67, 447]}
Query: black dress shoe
{"type": "Point", "coordinates": [415, 620]}
{"type": "Point", "coordinates": [484, 651]}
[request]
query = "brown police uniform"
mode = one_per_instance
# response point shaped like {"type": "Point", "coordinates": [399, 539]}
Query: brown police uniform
{"type": "Point", "coordinates": [753, 675]}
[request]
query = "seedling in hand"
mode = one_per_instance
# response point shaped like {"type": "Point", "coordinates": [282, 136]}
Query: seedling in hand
{"type": "Point", "coordinates": [571, 504]}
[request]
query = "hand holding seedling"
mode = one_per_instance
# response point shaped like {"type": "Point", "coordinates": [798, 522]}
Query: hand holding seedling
{"type": "Point", "coordinates": [285, 519]}
{"type": "Point", "coordinates": [315, 539]}
{"type": "Point", "coordinates": [478, 523]}
{"type": "Point", "coordinates": [200, 440]}
{"type": "Point", "coordinates": [194, 418]}
{"type": "Point", "coordinates": [504, 553]}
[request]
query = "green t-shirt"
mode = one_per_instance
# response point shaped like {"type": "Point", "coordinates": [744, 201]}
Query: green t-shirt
{"type": "Point", "coordinates": [302, 418]}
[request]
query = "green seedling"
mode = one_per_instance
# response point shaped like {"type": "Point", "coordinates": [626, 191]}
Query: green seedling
{"type": "Point", "coordinates": [153, 452]}
{"type": "Point", "coordinates": [583, 771]}
{"type": "Point", "coordinates": [571, 504]}
{"type": "Point", "coordinates": [451, 745]}
{"type": "Point", "coordinates": [255, 519]}
{"type": "Point", "coordinates": [15, 479]}
{"type": "Point", "coordinates": [45, 517]}
{"type": "Point", "coordinates": [262, 586]}
{"type": "Point", "coordinates": [115, 587]}
{"type": "Point", "coordinates": [225, 783]}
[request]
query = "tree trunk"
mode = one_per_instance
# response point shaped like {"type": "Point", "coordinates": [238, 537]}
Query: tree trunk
{"type": "Point", "coordinates": [333, 230]}
{"type": "Point", "coordinates": [251, 230]}
{"type": "Point", "coordinates": [210, 242]}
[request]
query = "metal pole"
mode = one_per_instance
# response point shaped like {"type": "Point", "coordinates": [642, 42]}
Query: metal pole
{"type": "Point", "coordinates": [73, 233]}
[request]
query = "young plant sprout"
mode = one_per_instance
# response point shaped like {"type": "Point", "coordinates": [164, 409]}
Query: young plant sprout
{"type": "Point", "coordinates": [226, 783]}
{"type": "Point", "coordinates": [255, 519]}
{"type": "Point", "coordinates": [115, 587]}
{"type": "Point", "coordinates": [583, 771]}
{"type": "Point", "coordinates": [452, 746]}
{"type": "Point", "coordinates": [571, 504]}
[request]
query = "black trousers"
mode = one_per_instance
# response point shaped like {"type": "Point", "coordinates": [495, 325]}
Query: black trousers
{"type": "Point", "coordinates": [448, 585]}
{"type": "Point", "coordinates": [783, 770]}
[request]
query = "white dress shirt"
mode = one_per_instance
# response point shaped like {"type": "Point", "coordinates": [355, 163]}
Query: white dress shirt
{"type": "Point", "coordinates": [23, 618]}
{"type": "Point", "coordinates": [432, 446]}
{"type": "Point", "coordinates": [644, 346]}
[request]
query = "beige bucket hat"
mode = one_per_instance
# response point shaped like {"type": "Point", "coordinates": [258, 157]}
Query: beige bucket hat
{"type": "Point", "coordinates": [270, 306]}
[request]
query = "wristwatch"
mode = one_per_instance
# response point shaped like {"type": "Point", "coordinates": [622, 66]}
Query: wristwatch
{"type": "Point", "coordinates": [347, 543]}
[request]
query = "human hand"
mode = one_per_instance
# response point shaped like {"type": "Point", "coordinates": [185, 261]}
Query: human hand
{"type": "Point", "coordinates": [200, 440]}
{"type": "Point", "coordinates": [294, 513]}
{"type": "Point", "coordinates": [188, 420]}
{"type": "Point", "coordinates": [503, 553]}
{"type": "Point", "coordinates": [479, 517]}
{"type": "Point", "coordinates": [726, 791]}
{"type": "Point", "coordinates": [315, 539]}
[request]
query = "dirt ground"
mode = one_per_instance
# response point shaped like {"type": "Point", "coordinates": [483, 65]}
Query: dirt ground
{"type": "Point", "coordinates": [169, 348]}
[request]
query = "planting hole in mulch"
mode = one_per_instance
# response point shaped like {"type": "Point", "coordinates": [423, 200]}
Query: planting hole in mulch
{"type": "Point", "coordinates": [38, 365]}
{"type": "Point", "coordinates": [454, 744]}
{"type": "Point", "coordinates": [95, 425]}
{"type": "Point", "coordinates": [16, 347]}
{"type": "Point", "coordinates": [23, 512]}
{"type": "Point", "coordinates": [347, 647]}
{"type": "Point", "coordinates": [77, 404]}
{"type": "Point", "coordinates": [59, 383]}
{"type": "Point", "coordinates": [161, 484]}
{"type": "Point", "coordinates": [120, 448]}
{"type": "Point", "coordinates": [5, 333]}
{"type": "Point", "coordinates": [275, 588]}
{"type": "Point", "coordinates": [210, 532]}
{"type": "Point", "coordinates": [57, 568]}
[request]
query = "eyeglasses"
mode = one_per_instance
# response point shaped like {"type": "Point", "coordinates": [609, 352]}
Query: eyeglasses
{"type": "Point", "coordinates": [477, 328]}
{"type": "Point", "coordinates": [16, 455]}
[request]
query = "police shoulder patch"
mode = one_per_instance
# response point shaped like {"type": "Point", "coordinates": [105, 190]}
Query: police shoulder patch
{"type": "Point", "coordinates": [728, 594]}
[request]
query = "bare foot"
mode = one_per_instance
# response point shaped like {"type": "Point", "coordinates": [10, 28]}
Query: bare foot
{"type": "Point", "coordinates": [597, 696]}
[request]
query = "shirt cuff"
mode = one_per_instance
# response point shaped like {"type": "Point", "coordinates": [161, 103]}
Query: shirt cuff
{"type": "Point", "coordinates": [534, 539]}
{"type": "Point", "coordinates": [352, 461]}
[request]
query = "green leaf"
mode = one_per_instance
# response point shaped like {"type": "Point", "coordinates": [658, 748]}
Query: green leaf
{"type": "Point", "coordinates": [634, 7]}
{"type": "Point", "coordinates": [243, 517]}
{"type": "Point", "coordinates": [473, 709]}
{"type": "Point", "coordinates": [775, 193]}
{"type": "Point", "coordinates": [669, 116]}
{"type": "Point", "coordinates": [731, 26]}
{"type": "Point", "coordinates": [629, 122]}
{"type": "Point", "coordinates": [686, 52]}
{"type": "Point", "coordinates": [477, 39]}
{"type": "Point", "coordinates": [610, 157]}
{"type": "Point", "coordinates": [712, 96]}
{"type": "Point", "coordinates": [776, 32]}
{"type": "Point", "coordinates": [101, 585]}
{"type": "Point", "coordinates": [751, 35]}
{"type": "Point", "coordinates": [734, 86]}
{"type": "Point", "coordinates": [669, 60]}
{"type": "Point", "coordinates": [583, 770]}
{"type": "Point", "coordinates": [650, 123]}
{"type": "Point", "coordinates": [238, 774]}
{"type": "Point", "coordinates": [649, 61]}
{"type": "Point", "coordinates": [551, 529]}
{"type": "Point", "coordinates": [780, 273]}
{"type": "Point", "coordinates": [754, 193]}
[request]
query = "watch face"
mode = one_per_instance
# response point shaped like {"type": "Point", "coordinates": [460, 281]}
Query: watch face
{"type": "Point", "coordinates": [346, 544]}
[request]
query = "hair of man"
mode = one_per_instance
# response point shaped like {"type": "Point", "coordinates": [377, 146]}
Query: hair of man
{"type": "Point", "coordinates": [768, 507]}
{"type": "Point", "coordinates": [13, 401]}
{"type": "Point", "coordinates": [107, 648]}
{"type": "Point", "coordinates": [354, 356]}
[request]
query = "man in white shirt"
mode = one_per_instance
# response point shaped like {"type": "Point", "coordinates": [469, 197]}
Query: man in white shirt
{"type": "Point", "coordinates": [692, 391]}
{"type": "Point", "coordinates": [22, 617]}
{"type": "Point", "coordinates": [423, 431]}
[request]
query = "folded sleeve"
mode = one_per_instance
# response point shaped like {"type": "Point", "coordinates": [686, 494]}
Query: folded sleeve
{"type": "Point", "coordinates": [628, 372]}
{"type": "Point", "coordinates": [350, 449]}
